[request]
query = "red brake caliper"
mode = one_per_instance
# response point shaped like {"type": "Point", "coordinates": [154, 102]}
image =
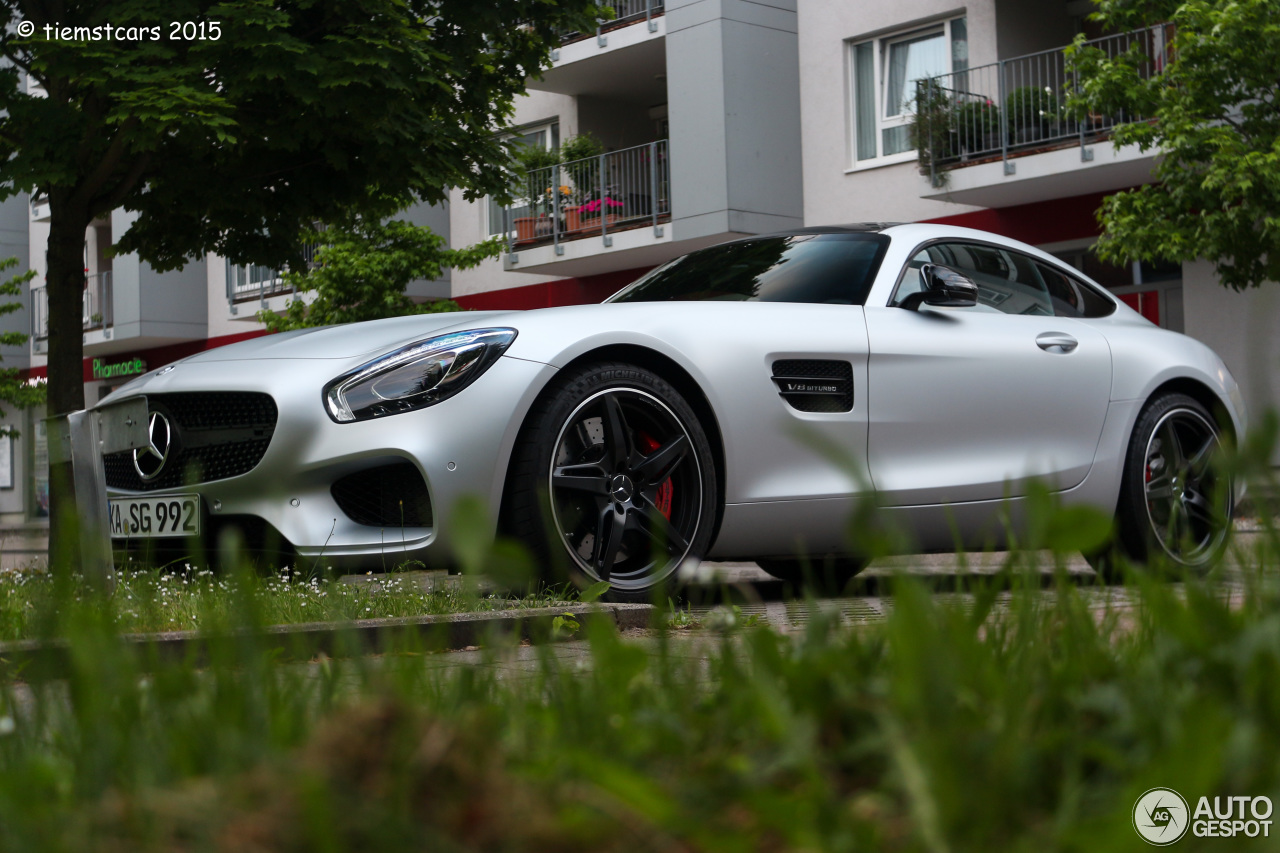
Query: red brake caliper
{"type": "Point", "coordinates": [663, 499]}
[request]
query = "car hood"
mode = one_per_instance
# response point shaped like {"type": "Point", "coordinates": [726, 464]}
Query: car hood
{"type": "Point", "coordinates": [349, 341]}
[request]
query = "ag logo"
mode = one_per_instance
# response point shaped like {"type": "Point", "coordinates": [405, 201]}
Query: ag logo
{"type": "Point", "coordinates": [1161, 816]}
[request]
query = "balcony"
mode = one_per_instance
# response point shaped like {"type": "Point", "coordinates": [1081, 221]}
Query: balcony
{"type": "Point", "coordinates": [625, 13]}
{"type": "Point", "coordinates": [578, 210]}
{"type": "Point", "coordinates": [97, 320]}
{"type": "Point", "coordinates": [253, 283]}
{"type": "Point", "coordinates": [624, 59]}
{"type": "Point", "coordinates": [1000, 134]}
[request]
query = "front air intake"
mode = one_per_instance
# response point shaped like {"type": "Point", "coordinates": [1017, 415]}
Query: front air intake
{"type": "Point", "coordinates": [391, 495]}
{"type": "Point", "coordinates": [815, 386]}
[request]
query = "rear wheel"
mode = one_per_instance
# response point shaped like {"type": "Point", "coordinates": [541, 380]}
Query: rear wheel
{"type": "Point", "coordinates": [613, 480]}
{"type": "Point", "coordinates": [1174, 503]}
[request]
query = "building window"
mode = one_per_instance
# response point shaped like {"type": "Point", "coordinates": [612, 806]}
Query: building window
{"type": "Point", "coordinates": [544, 136]}
{"type": "Point", "coordinates": [884, 71]}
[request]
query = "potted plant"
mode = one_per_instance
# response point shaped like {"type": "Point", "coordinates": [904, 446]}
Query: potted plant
{"type": "Point", "coordinates": [932, 131]}
{"type": "Point", "coordinates": [537, 166]}
{"type": "Point", "coordinates": [592, 210]}
{"type": "Point", "coordinates": [977, 126]}
{"type": "Point", "coordinates": [1031, 111]}
{"type": "Point", "coordinates": [580, 147]}
{"type": "Point", "coordinates": [580, 165]}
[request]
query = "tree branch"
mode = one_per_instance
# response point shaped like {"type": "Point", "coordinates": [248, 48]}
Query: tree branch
{"type": "Point", "coordinates": [126, 185]}
{"type": "Point", "coordinates": [89, 187]}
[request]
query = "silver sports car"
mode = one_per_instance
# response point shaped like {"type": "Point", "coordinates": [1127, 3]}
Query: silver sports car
{"type": "Point", "coordinates": [700, 413]}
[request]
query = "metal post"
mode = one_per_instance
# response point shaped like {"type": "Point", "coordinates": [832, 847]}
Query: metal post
{"type": "Point", "coordinates": [555, 209]}
{"type": "Point", "coordinates": [231, 290]}
{"type": "Point", "coordinates": [929, 108]}
{"type": "Point", "coordinates": [604, 215]}
{"type": "Point", "coordinates": [648, 16]}
{"type": "Point", "coordinates": [653, 186]}
{"type": "Point", "coordinates": [108, 299]}
{"type": "Point", "coordinates": [1085, 154]}
{"type": "Point", "coordinates": [1003, 111]}
{"type": "Point", "coordinates": [511, 239]}
{"type": "Point", "coordinates": [82, 438]}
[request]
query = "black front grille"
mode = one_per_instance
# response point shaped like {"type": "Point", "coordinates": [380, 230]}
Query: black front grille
{"type": "Point", "coordinates": [392, 495]}
{"type": "Point", "coordinates": [811, 385]}
{"type": "Point", "coordinates": [215, 435]}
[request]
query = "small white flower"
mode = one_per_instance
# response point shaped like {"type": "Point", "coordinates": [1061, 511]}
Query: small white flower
{"type": "Point", "coordinates": [6, 725]}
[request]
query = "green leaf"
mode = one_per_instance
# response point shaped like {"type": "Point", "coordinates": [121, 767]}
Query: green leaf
{"type": "Point", "coordinates": [593, 592]}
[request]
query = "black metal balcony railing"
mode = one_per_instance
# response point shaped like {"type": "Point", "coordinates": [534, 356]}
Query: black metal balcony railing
{"type": "Point", "coordinates": [625, 13]}
{"type": "Point", "coordinates": [98, 305]}
{"type": "Point", "coordinates": [594, 197]}
{"type": "Point", "coordinates": [1018, 105]}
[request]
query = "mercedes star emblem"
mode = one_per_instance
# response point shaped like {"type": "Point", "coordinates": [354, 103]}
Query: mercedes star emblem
{"type": "Point", "coordinates": [149, 461]}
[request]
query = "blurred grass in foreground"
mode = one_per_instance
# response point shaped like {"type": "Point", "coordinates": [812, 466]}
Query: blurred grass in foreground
{"type": "Point", "coordinates": [188, 599]}
{"type": "Point", "coordinates": [1031, 725]}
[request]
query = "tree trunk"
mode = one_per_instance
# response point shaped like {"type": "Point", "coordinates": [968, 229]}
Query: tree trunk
{"type": "Point", "coordinates": [65, 392]}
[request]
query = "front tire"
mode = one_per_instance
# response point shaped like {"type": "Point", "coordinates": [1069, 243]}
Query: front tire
{"type": "Point", "coordinates": [612, 479]}
{"type": "Point", "coordinates": [1174, 504]}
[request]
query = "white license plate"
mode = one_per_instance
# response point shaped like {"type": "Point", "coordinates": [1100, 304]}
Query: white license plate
{"type": "Point", "coordinates": [148, 518]}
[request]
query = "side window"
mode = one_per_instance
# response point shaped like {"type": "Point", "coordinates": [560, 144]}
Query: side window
{"type": "Point", "coordinates": [1008, 282]}
{"type": "Point", "coordinates": [1071, 298]}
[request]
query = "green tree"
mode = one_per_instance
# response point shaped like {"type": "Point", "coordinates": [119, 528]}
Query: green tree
{"type": "Point", "coordinates": [1213, 113]}
{"type": "Point", "coordinates": [263, 116]}
{"type": "Point", "coordinates": [361, 270]}
{"type": "Point", "coordinates": [14, 390]}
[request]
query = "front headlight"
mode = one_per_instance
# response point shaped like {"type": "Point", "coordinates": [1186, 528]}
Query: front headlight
{"type": "Point", "coordinates": [419, 375]}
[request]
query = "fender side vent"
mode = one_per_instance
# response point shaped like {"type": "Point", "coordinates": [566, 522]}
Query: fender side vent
{"type": "Point", "coordinates": [815, 386]}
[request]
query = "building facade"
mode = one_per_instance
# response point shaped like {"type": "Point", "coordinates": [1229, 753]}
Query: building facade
{"type": "Point", "coordinates": [716, 119]}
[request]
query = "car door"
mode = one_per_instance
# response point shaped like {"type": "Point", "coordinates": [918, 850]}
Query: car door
{"type": "Point", "coordinates": [972, 404]}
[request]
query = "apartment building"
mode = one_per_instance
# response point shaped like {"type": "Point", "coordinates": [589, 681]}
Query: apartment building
{"type": "Point", "coordinates": [698, 106]}
{"type": "Point", "coordinates": [718, 119]}
{"type": "Point", "coordinates": [726, 118]}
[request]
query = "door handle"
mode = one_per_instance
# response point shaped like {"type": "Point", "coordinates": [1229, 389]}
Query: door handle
{"type": "Point", "coordinates": [1058, 342]}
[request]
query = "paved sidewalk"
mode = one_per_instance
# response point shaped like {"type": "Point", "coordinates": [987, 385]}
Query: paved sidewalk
{"type": "Point", "coordinates": [792, 615]}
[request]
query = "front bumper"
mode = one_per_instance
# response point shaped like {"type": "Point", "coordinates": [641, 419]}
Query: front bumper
{"type": "Point", "coordinates": [461, 447]}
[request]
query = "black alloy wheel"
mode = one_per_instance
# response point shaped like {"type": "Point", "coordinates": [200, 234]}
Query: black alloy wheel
{"type": "Point", "coordinates": [613, 480]}
{"type": "Point", "coordinates": [1175, 504]}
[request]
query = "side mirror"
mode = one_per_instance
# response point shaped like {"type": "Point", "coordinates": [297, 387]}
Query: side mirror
{"type": "Point", "coordinates": [942, 286]}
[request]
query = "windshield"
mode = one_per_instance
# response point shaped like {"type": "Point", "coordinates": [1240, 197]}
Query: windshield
{"type": "Point", "coordinates": [832, 269]}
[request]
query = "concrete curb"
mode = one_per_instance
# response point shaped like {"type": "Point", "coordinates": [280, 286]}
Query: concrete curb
{"type": "Point", "coordinates": [34, 660]}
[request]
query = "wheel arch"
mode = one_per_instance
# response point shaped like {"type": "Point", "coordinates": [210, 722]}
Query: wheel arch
{"type": "Point", "coordinates": [1202, 394]}
{"type": "Point", "coordinates": [682, 381]}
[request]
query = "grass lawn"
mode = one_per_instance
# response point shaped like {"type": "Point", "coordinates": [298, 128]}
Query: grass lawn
{"type": "Point", "coordinates": [151, 600]}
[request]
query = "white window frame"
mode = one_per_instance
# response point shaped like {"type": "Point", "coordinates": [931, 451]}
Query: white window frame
{"type": "Point", "coordinates": [880, 60]}
{"type": "Point", "coordinates": [552, 128]}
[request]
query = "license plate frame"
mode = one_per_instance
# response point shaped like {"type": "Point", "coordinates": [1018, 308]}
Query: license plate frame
{"type": "Point", "coordinates": [151, 517]}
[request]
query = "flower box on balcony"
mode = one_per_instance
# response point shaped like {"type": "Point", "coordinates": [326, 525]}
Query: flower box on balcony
{"type": "Point", "coordinates": [525, 228]}
{"type": "Point", "coordinates": [572, 220]}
